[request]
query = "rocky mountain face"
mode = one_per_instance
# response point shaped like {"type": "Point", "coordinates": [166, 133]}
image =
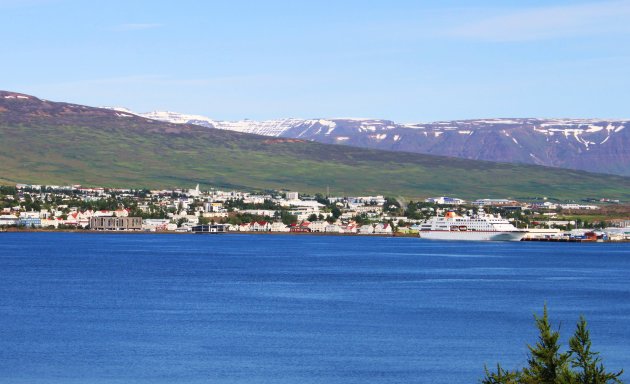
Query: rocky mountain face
{"type": "Point", "coordinates": [586, 144]}
{"type": "Point", "coordinates": [595, 145]}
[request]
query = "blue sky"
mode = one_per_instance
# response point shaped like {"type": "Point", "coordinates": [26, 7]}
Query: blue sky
{"type": "Point", "coordinates": [409, 61]}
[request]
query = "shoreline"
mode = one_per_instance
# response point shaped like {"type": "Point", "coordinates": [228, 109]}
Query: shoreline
{"type": "Point", "coordinates": [17, 230]}
{"type": "Point", "coordinates": [397, 235]}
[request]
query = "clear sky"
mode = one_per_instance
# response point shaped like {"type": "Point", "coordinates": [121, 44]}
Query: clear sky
{"type": "Point", "coordinates": [409, 61]}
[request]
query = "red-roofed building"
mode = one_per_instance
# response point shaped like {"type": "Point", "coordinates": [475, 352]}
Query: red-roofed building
{"type": "Point", "coordinates": [302, 227]}
{"type": "Point", "coordinates": [260, 226]}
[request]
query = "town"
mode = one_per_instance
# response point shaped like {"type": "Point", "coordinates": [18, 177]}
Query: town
{"type": "Point", "coordinates": [39, 207]}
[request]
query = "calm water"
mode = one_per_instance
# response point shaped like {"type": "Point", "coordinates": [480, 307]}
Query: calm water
{"type": "Point", "coordinates": [89, 308]}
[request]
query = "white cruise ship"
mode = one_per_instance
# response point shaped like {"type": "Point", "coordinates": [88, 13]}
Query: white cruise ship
{"type": "Point", "coordinates": [482, 227]}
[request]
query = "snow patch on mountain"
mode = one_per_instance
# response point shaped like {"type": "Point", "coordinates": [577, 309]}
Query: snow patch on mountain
{"type": "Point", "coordinates": [544, 141]}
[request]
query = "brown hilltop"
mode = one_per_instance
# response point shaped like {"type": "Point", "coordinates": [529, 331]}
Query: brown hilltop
{"type": "Point", "coordinates": [46, 142]}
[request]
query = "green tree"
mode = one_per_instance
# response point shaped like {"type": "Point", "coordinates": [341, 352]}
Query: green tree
{"type": "Point", "coordinates": [412, 211]}
{"type": "Point", "coordinates": [287, 218]}
{"type": "Point", "coordinates": [501, 376]}
{"type": "Point", "coordinates": [391, 205]}
{"type": "Point", "coordinates": [361, 219]}
{"type": "Point", "coordinates": [591, 369]}
{"type": "Point", "coordinates": [546, 364]}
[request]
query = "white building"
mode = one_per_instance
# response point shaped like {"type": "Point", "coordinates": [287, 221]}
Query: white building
{"type": "Point", "coordinates": [366, 229]}
{"type": "Point", "coordinates": [155, 224]}
{"type": "Point", "coordinates": [350, 228]}
{"type": "Point", "coordinates": [245, 227]}
{"type": "Point", "coordinates": [333, 228]}
{"type": "Point", "coordinates": [259, 212]}
{"type": "Point", "coordinates": [318, 226]}
{"type": "Point", "coordinates": [8, 220]}
{"type": "Point", "coordinates": [194, 192]}
{"type": "Point", "coordinates": [445, 200]}
{"type": "Point", "coordinates": [383, 229]}
{"type": "Point", "coordinates": [260, 226]}
{"type": "Point", "coordinates": [579, 206]}
{"type": "Point", "coordinates": [279, 226]}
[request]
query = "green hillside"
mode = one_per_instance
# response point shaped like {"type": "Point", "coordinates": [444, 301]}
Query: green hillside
{"type": "Point", "coordinates": [56, 143]}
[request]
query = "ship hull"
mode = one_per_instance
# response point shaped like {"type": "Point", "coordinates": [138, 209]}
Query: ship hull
{"type": "Point", "coordinates": [473, 235]}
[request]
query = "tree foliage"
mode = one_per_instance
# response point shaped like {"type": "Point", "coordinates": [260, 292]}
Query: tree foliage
{"type": "Point", "coordinates": [546, 364]}
{"type": "Point", "coordinates": [590, 367]}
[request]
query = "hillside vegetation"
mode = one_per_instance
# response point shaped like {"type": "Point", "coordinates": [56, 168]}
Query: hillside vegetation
{"type": "Point", "coordinates": [57, 143]}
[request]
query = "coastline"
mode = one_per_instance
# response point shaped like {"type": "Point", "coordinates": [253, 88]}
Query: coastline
{"type": "Point", "coordinates": [18, 230]}
{"type": "Point", "coordinates": [396, 235]}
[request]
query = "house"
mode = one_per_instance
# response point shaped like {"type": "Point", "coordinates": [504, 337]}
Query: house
{"type": "Point", "coordinates": [318, 226]}
{"type": "Point", "coordinates": [279, 227]}
{"type": "Point", "coordinates": [245, 227]}
{"type": "Point", "coordinates": [350, 228]}
{"type": "Point", "coordinates": [72, 219]}
{"type": "Point", "coordinates": [333, 228]}
{"type": "Point", "coordinates": [366, 229]}
{"type": "Point", "coordinates": [260, 226]}
{"type": "Point", "coordinates": [121, 213]}
{"type": "Point", "coordinates": [83, 218]}
{"type": "Point", "coordinates": [383, 229]}
{"type": "Point", "coordinates": [302, 227]}
{"type": "Point", "coordinates": [101, 213]}
{"type": "Point", "coordinates": [49, 223]}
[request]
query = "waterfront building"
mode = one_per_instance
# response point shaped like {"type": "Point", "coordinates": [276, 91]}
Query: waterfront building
{"type": "Point", "coordinates": [366, 229]}
{"type": "Point", "coordinates": [29, 222]}
{"type": "Point", "coordinates": [8, 220]}
{"type": "Point", "coordinates": [213, 228]}
{"type": "Point", "coordinates": [318, 226]}
{"type": "Point", "coordinates": [116, 223]}
{"type": "Point", "coordinates": [383, 229]}
{"type": "Point", "coordinates": [279, 226]}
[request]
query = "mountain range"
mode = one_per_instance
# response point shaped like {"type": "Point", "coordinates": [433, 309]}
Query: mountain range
{"type": "Point", "coordinates": [46, 142]}
{"type": "Point", "coordinates": [594, 145]}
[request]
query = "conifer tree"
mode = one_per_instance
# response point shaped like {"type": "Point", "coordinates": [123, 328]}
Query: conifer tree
{"type": "Point", "coordinates": [501, 376]}
{"type": "Point", "coordinates": [546, 365]}
{"type": "Point", "coordinates": [589, 363]}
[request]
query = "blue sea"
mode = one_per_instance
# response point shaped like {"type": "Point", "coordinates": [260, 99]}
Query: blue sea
{"type": "Point", "coordinates": [123, 308]}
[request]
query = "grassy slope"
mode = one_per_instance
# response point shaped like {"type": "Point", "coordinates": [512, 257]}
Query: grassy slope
{"type": "Point", "coordinates": [99, 154]}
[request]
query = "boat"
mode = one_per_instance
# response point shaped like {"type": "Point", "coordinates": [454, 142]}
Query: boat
{"type": "Point", "coordinates": [479, 227]}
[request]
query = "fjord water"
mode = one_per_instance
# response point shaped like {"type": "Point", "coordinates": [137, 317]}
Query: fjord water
{"type": "Point", "coordinates": [94, 308]}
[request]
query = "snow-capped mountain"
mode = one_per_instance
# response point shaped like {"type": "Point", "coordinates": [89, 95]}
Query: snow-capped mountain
{"type": "Point", "coordinates": [596, 145]}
